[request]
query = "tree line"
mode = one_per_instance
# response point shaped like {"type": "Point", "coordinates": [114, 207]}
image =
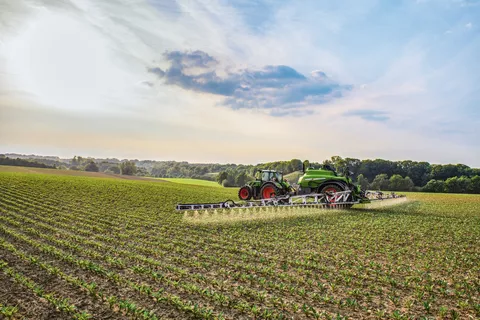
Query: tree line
{"type": "Point", "coordinates": [380, 174]}
{"type": "Point", "coordinates": [6, 161]}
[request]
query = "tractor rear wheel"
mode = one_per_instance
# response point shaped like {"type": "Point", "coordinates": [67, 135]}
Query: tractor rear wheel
{"type": "Point", "coordinates": [332, 189]}
{"type": "Point", "coordinates": [245, 193]}
{"type": "Point", "coordinates": [269, 190]}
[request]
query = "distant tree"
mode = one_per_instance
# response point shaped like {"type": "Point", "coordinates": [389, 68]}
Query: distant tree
{"type": "Point", "coordinates": [324, 163]}
{"type": "Point", "coordinates": [113, 169]}
{"type": "Point", "coordinates": [451, 185]}
{"type": "Point", "coordinates": [408, 184]}
{"type": "Point", "coordinates": [91, 166]}
{"type": "Point", "coordinates": [75, 161]}
{"type": "Point", "coordinates": [474, 172]}
{"type": "Point", "coordinates": [231, 175]}
{"type": "Point", "coordinates": [353, 165]}
{"type": "Point", "coordinates": [417, 171]}
{"type": "Point", "coordinates": [79, 161]}
{"type": "Point", "coordinates": [457, 185]}
{"type": "Point", "coordinates": [142, 172]}
{"type": "Point", "coordinates": [339, 163]}
{"type": "Point", "coordinates": [396, 183]}
{"type": "Point", "coordinates": [474, 184]}
{"type": "Point", "coordinates": [6, 161]}
{"type": "Point", "coordinates": [434, 186]}
{"type": "Point", "coordinates": [296, 164]}
{"type": "Point", "coordinates": [372, 168]}
{"type": "Point", "coordinates": [103, 166]}
{"type": "Point", "coordinates": [465, 184]}
{"type": "Point", "coordinates": [241, 179]}
{"type": "Point", "coordinates": [380, 182]}
{"type": "Point", "coordinates": [362, 182]}
{"type": "Point", "coordinates": [128, 168]}
{"type": "Point", "coordinates": [221, 177]}
{"type": "Point", "coordinates": [443, 172]}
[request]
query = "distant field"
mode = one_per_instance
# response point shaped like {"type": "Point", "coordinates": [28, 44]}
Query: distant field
{"type": "Point", "coordinates": [73, 173]}
{"type": "Point", "coordinates": [196, 182]}
{"type": "Point", "coordinates": [93, 248]}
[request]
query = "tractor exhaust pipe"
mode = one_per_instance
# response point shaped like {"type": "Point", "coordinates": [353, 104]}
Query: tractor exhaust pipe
{"type": "Point", "coordinates": [305, 165]}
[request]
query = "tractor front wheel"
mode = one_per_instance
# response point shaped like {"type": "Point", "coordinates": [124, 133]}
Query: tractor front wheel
{"type": "Point", "coordinates": [245, 193]}
{"type": "Point", "coordinates": [269, 190]}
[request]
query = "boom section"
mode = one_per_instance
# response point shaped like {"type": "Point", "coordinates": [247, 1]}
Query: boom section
{"type": "Point", "coordinates": [336, 199]}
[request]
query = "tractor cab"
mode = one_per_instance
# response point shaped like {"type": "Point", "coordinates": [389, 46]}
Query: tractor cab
{"type": "Point", "coordinates": [268, 184]}
{"type": "Point", "coordinates": [271, 175]}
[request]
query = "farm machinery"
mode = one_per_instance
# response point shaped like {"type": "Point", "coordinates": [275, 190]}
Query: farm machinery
{"type": "Point", "coordinates": [319, 187]}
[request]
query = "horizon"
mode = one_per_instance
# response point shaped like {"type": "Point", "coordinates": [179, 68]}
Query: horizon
{"type": "Point", "coordinates": [246, 164]}
{"type": "Point", "coordinates": [215, 81]}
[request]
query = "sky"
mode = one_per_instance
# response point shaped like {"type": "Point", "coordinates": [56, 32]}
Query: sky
{"type": "Point", "coordinates": [241, 81]}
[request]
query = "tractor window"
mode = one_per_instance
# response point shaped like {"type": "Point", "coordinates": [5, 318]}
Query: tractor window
{"type": "Point", "coordinates": [265, 176]}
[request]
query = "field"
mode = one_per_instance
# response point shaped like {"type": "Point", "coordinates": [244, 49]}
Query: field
{"type": "Point", "coordinates": [196, 182]}
{"type": "Point", "coordinates": [88, 247]}
{"type": "Point", "coordinates": [74, 173]}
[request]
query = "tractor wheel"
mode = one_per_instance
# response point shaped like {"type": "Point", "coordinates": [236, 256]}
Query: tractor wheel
{"type": "Point", "coordinates": [245, 193]}
{"type": "Point", "coordinates": [332, 188]}
{"type": "Point", "coordinates": [269, 190]}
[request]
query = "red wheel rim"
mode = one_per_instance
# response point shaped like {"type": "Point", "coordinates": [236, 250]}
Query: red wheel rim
{"type": "Point", "coordinates": [267, 192]}
{"type": "Point", "coordinates": [244, 193]}
{"type": "Point", "coordinates": [330, 190]}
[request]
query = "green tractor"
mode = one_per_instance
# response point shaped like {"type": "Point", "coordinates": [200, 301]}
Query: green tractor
{"type": "Point", "coordinates": [270, 183]}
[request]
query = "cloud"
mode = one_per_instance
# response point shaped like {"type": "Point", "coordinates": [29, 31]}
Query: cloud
{"type": "Point", "coordinates": [273, 86]}
{"type": "Point", "coordinates": [197, 58]}
{"type": "Point", "coordinates": [170, 7]}
{"type": "Point", "coordinates": [468, 25]}
{"type": "Point", "coordinates": [146, 83]}
{"type": "Point", "coordinates": [159, 72]}
{"type": "Point", "coordinates": [468, 3]}
{"type": "Point", "coordinates": [369, 115]}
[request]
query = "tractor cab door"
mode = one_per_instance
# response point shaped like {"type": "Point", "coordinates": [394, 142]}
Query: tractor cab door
{"type": "Point", "coordinates": [266, 176]}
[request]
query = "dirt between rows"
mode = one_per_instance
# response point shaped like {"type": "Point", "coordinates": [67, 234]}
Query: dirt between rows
{"type": "Point", "coordinates": [60, 289]}
{"type": "Point", "coordinates": [29, 305]}
{"type": "Point", "coordinates": [163, 309]}
{"type": "Point", "coordinates": [78, 296]}
{"type": "Point", "coordinates": [228, 312]}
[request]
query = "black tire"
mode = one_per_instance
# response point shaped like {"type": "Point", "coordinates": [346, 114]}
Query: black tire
{"type": "Point", "coordinates": [245, 193]}
{"type": "Point", "coordinates": [269, 190]}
